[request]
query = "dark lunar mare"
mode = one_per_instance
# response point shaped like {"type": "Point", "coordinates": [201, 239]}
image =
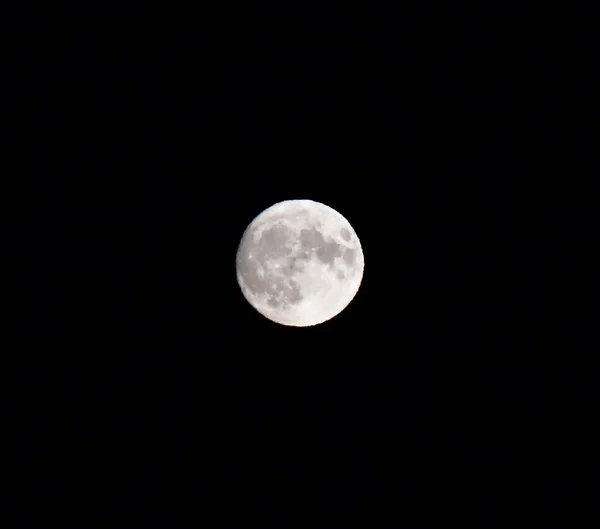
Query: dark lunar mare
{"type": "Point", "coordinates": [312, 240]}
{"type": "Point", "coordinates": [350, 256]}
{"type": "Point", "coordinates": [271, 245]}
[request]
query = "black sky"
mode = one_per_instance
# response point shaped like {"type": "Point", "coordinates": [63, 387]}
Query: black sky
{"type": "Point", "coordinates": [148, 388]}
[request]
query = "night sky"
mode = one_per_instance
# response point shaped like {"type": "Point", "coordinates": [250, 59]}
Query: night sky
{"type": "Point", "coordinates": [147, 389]}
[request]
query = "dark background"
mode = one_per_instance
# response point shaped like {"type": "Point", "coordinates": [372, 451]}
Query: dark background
{"type": "Point", "coordinates": [147, 389]}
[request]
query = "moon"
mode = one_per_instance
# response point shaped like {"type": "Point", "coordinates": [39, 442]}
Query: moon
{"type": "Point", "coordinates": [299, 263]}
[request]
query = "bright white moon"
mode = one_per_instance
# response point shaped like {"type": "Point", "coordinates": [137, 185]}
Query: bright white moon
{"type": "Point", "coordinates": [299, 263]}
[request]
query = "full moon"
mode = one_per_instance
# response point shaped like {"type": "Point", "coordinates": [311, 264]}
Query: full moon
{"type": "Point", "coordinates": [299, 263]}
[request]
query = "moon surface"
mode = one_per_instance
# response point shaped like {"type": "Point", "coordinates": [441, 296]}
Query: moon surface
{"type": "Point", "coordinates": [299, 263]}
